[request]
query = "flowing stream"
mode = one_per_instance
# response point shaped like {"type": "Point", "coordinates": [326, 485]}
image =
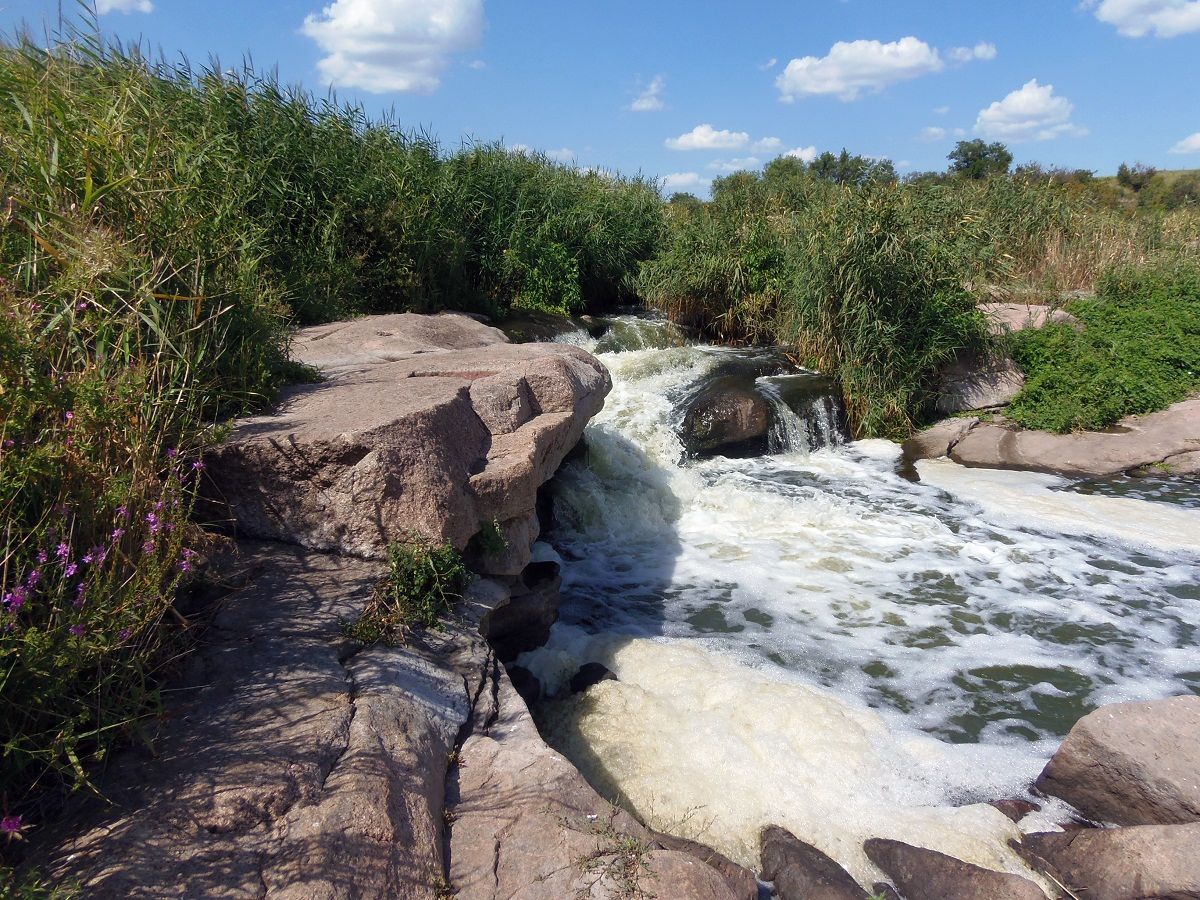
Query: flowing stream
{"type": "Point", "coordinates": [810, 638]}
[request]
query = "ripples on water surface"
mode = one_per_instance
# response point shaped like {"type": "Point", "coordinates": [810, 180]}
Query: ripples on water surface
{"type": "Point", "coordinates": [813, 639]}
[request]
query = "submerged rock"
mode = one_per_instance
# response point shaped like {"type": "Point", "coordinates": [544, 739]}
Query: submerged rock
{"type": "Point", "coordinates": [922, 874]}
{"type": "Point", "coordinates": [1145, 862]}
{"type": "Point", "coordinates": [802, 872]}
{"type": "Point", "coordinates": [589, 674]}
{"type": "Point", "coordinates": [1132, 763]}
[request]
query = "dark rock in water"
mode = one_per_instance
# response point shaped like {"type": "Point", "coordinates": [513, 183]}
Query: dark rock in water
{"type": "Point", "coordinates": [1144, 862]}
{"type": "Point", "coordinates": [802, 872]}
{"type": "Point", "coordinates": [1015, 808]}
{"type": "Point", "coordinates": [524, 622]}
{"type": "Point", "coordinates": [741, 880]}
{"type": "Point", "coordinates": [526, 684]}
{"type": "Point", "coordinates": [529, 327]}
{"type": "Point", "coordinates": [589, 674]}
{"type": "Point", "coordinates": [727, 416]}
{"type": "Point", "coordinates": [924, 874]}
{"type": "Point", "coordinates": [1131, 763]}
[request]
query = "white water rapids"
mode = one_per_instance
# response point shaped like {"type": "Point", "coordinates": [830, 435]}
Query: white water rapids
{"type": "Point", "coordinates": [812, 640]}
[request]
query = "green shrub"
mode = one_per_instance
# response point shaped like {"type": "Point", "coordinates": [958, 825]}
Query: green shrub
{"type": "Point", "coordinates": [423, 583]}
{"type": "Point", "coordinates": [1138, 352]}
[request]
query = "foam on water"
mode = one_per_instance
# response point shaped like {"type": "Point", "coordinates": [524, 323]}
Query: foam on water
{"type": "Point", "coordinates": [813, 640]}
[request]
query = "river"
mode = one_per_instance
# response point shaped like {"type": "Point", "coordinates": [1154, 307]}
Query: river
{"type": "Point", "coordinates": [816, 639]}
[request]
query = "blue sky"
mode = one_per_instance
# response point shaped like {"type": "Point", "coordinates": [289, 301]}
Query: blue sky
{"type": "Point", "coordinates": [688, 90]}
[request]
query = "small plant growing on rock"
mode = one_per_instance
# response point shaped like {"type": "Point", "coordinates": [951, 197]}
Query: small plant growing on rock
{"type": "Point", "coordinates": [423, 583]}
{"type": "Point", "coordinates": [489, 540]}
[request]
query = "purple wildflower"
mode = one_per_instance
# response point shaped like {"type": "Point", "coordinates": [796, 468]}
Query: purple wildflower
{"type": "Point", "coordinates": [122, 512]}
{"type": "Point", "coordinates": [68, 416]}
{"type": "Point", "coordinates": [43, 557]}
{"type": "Point", "coordinates": [172, 453]}
{"type": "Point", "coordinates": [125, 634]}
{"type": "Point", "coordinates": [10, 825]}
{"type": "Point", "coordinates": [148, 547]}
{"type": "Point", "coordinates": [9, 443]}
{"type": "Point", "coordinates": [62, 551]}
{"type": "Point", "coordinates": [70, 570]}
{"type": "Point", "coordinates": [32, 579]}
{"type": "Point", "coordinates": [15, 599]}
{"type": "Point", "coordinates": [117, 534]}
{"type": "Point", "coordinates": [198, 465]}
{"type": "Point", "coordinates": [77, 631]}
{"type": "Point", "coordinates": [88, 558]}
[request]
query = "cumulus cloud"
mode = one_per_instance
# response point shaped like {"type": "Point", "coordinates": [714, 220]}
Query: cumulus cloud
{"type": "Point", "coordinates": [1188, 145]}
{"type": "Point", "coordinates": [392, 45]}
{"type": "Point", "coordinates": [768, 145]}
{"type": "Point", "coordinates": [941, 110]}
{"type": "Point", "coordinates": [562, 154]}
{"type": "Point", "coordinates": [934, 133]}
{"type": "Point", "coordinates": [982, 50]}
{"type": "Point", "coordinates": [806, 154]}
{"type": "Point", "coordinates": [123, 6]}
{"type": "Point", "coordinates": [737, 164]}
{"type": "Point", "coordinates": [683, 181]}
{"type": "Point", "coordinates": [1031, 113]}
{"type": "Point", "coordinates": [856, 66]}
{"type": "Point", "coordinates": [1138, 18]}
{"type": "Point", "coordinates": [705, 137]}
{"type": "Point", "coordinates": [650, 100]}
{"type": "Point", "coordinates": [769, 64]}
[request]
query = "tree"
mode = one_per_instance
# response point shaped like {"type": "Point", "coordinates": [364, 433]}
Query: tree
{"type": "Point", "coordinates": [1137, 177]}
{"type": "Point", "coordinates": [848, 168]}
{"type": "Point", "coordinates": [978, 159]}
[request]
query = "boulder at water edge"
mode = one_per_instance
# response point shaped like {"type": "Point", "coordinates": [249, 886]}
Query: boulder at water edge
{"type": "Point", "coordinates": [928, 875]}
{"type": "Point", "coordinates": [727, 417]}
{"type": "Point", "coordinates": [1145, 862]}
{"type": "Point", "coordinates": [802, 872]}
{"type": "Point", "coordinates": [1132, 763]}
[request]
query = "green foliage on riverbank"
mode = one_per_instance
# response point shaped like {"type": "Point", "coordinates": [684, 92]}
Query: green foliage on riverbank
{"type": "Point", "coordinates": [1138, 351]}
{"type": "Point", "coordinates": [876, 283]}
{"type": "Point", "coordinates": [162, 228]}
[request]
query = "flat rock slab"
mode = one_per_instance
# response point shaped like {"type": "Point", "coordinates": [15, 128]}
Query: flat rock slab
{"type": "Point", "coordinates": [923, 874]}
{"type": "Point", "coordinates": [978, 381]}
{"type": "Point", "coordinates": [285, 770]}
{"type": "Point", "coordinates": [438, 440]}
{"type": "Point", "coordinates": [1003, 318]}
{"type": "Point", "coordinates": [1132, 763]}
{"type": "Point", "coordinates": [1134, 442]}
{"type": "Point", "coordinates": [1146, 862]}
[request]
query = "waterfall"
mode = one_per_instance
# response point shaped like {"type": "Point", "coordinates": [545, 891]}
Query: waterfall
{"type": "Point", "coordinates": [806, 413]}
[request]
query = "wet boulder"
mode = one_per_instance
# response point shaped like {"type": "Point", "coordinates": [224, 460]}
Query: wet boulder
{"type": "Point", "coordinates": [1131, 763]}
{"type": "Point", "coordinates": [802, 872]}
{"type": "Point", "coordinates": [727, 416]}
{"type": "Point", "coordinates": [1138, 863]}
{"type": "Point", "coordinates": [922, 874]}
{"type": "Point", "coordinates": [524, 622]}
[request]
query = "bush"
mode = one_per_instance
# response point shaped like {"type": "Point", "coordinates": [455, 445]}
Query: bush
{"type": "Point", "coordinates": [423, 584]}
{"type": "Point", "coordinates": [1138, 352]}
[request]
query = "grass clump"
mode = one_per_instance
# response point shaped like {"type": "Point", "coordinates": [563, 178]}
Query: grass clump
{"type": "Point", "coordinates": [423, 583]}
{"type": "Point", "coordinates": [1138, 352]}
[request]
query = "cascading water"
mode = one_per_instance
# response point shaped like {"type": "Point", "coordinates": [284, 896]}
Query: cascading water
{"type": "Point", "coordinates": [810, 639]}
{"type": "Point", "coordinates": [806, 413]}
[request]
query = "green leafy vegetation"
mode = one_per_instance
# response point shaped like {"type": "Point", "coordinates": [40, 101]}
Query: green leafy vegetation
{"type": "Point", "coordinates": [876, 282]}
{"type": "Point", "coordinates": [423, 583]}
{"type": "Point", "coordinates": [162, 229]}
{"type": "Point", "coordinates": [1138, 351]}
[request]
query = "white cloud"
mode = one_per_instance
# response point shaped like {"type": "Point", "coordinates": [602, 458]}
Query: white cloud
{"type": "Point", "coordinates": [856, 66]}
{"type": "Point", "coordinates": [768, 145]}
{"type": "Point", "coordinates": [650, 100]}
{"type": "Point", "coordinates": [520, 148]}
{"type": "Point", "coordinates": [769, 64]}
{"type": "Point", "coordinates": [941, 110]}
{"type": "Point", "coordinates": [738, 164]}
{"type": "Point", "coordinates": [477, 64]}
{"type": "Point", "coordinates": [807, 154]}
{"type": "Point", "coordinates": [934, 133]}
{"type": "Point", "coordinates": [982, 50]}
{"type": "Point", "coordinates": [705, 137]}
{"type": "Point", "coordinates": [392, 45]}
{"type": "Point", "coordinates": [1032, 113]}
{"type": "Point", "coordinates": [683, 181]}
{"type": "Point", "coordinates": [1138, 18]}
{"type": "Point", "coordinates": [1187, 145]}
{"type": "Point", "coordinates": [562, 154]}
{"type": "Point", "coordinates": [123, 6]}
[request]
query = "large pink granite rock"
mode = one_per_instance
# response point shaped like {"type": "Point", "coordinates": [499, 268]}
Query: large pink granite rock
{"type": "Point", "coordinates": [428, 424]}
